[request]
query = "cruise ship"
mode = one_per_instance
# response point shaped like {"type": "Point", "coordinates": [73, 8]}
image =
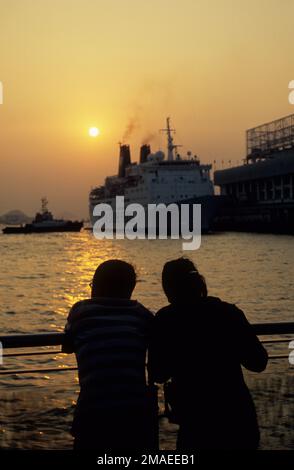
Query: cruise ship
{"type": "Point", "coordinates": [159, 178]}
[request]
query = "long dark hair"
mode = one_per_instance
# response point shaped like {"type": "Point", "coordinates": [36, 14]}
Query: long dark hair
{"type": "Point", "coordinates": [182, 282]}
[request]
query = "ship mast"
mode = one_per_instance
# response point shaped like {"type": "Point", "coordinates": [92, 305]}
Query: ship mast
{"type": "Point", "coordinates": [170, 142]}
{"type": "Point", "coordinates": [44, 205]}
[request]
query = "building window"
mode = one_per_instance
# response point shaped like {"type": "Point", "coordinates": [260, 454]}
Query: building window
{"type": "Point", "coordinates": [277, 180]}
{"type": "Point", "coordinates": [269, 185]}
{"type": "Point", "coordinates": [277, 194]}
{"type": "Point", "coordinates": [286, 193]}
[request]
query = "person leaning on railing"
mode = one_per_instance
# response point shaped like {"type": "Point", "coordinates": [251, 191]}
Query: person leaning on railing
{"type": "Point", "coordinates": [109, 334]}
{"type": "Point", "coordinates": [200, 343]}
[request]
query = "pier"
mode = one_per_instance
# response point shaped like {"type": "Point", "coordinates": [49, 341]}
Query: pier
{"type": "Point", "coordinates": [260, 193]}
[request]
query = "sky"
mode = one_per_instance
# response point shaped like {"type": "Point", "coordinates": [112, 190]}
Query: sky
{"type": "Point", "coordinates": [216, 67]}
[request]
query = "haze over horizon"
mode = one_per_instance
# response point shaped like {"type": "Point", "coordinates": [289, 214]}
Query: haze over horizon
{"type": "Point", "coordinates": [217, 68]}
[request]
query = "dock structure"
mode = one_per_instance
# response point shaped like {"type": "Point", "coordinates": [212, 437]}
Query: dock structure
{"type": "Point", "coordinates": [260, 193]}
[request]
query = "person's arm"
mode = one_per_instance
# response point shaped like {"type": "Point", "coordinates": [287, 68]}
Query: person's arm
{"type": "Point", "coordinates": [252, 355]}
{"type": "Point", "coordinates": [68, 343]}
{"type": "Point", "coordinates": [159, 354]}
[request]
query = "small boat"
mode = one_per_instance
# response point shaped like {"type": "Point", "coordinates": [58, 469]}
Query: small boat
{"type": "Point", "coordinates": [44, 223]}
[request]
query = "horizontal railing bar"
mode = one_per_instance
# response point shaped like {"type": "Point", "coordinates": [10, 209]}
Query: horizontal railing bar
{"type": "Point", "coordinates": [57, 339]}
{"type": "Point", "coordinates": [32, 340]}
{"type": "Point", "coordinates": [273, 341]}
{"type": "Point", "coordinates": [64, 369]}
{"type": "Point", "coordinates": [33, 371]}
{"type": "Point", "coordinates": [32, 353]}
{"type": "Point", "coordinates": [59, 351]}
{"type": "Point", "coordinates": [279, 356]}
{"type": "Point", "coordinates": [281, 328]}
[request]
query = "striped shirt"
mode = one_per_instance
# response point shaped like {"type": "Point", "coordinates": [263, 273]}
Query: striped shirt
{"type": "Point", "coordinates": [110, 339]}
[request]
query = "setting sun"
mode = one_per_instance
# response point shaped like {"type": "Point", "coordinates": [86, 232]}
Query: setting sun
{"type": "Point", "coordinates": [94, 131]}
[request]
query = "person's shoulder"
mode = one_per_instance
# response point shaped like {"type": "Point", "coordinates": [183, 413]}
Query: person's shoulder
{"type": "Point", "coordinates": [211, 300]}
{"type": "Point", "coordinates": [80, 305]}
{"type": "Point", "coordinates": [231, 307]}
{"type": "Point", "coordinates": [79, 308]}
{"type": "Point", "coordinates": [164, 310]}
{"type": "Point", "coordinates": [142, 310]}
{"type": "Point", "coordinates": [165, 313]}
{"type": "Point", "coordinates": [231, 310]}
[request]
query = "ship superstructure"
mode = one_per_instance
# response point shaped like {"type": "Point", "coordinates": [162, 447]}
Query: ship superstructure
{"type": "Point", "coordinates": [155, 179]}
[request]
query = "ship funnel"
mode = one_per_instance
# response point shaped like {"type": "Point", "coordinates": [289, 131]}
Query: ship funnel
{"type": "Point", "coordinates": [124, 160]}
{"type": "Point", "coordinates": [144, 152]}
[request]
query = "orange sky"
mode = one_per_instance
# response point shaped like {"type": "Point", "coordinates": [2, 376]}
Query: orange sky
{"type": "Point", "coordinates": [216, 67]}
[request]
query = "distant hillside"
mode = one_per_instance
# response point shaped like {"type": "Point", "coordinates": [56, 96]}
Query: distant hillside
{"type": "Point", "coordinates": [15, 217]}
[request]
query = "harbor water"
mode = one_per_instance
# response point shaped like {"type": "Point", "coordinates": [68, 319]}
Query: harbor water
{"type": "Point", "coordinates": [42, 275]}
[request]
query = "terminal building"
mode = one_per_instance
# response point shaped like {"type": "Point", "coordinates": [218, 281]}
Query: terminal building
{"type": "Point", "coordinates": [260, 193]}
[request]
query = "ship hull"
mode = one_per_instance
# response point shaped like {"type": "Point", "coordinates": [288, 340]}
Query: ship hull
{"type": "Point", "coordinates": [29, 228]}
{"type": "Point", "coordinates": [210, 206]}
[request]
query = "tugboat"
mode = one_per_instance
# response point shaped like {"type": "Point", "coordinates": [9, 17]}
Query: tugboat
{"type": "Point", "coordinates": [44, 222]}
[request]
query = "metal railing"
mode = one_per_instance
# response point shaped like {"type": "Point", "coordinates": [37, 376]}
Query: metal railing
{"type": "Point", "coordinates": [58, 339]}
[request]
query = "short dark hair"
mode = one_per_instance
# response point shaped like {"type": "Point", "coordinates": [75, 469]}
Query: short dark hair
{"type": "Point", "coordinates": [114, 279]}
{"type": "Point", "coordinates": [182, 282]}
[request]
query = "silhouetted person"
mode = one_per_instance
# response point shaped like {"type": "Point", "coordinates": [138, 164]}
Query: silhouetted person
{"type": "Point", "coordinates": [109, 334]}
{"type": "Point", "coordinates": [200, 343]}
